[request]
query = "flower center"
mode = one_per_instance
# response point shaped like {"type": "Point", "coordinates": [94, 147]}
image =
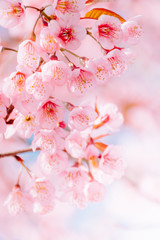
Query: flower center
{"type": "Point", "coordinates": [105, 30]}
{"type": "Point", "coordinates": [66, 34]}
{"type": "Point", "coordinates": [18, 10]}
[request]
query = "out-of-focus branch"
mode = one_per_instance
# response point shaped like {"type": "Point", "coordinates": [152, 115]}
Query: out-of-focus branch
{"type": "Point", "coordinates": [2, 155]}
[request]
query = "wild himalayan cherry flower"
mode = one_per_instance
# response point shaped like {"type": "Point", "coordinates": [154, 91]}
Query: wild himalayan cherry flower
{"type": "Point", "coordinates": [43, 193]}
{"type": "Point", "coordinates": [109, 117]}
{"type": "Point", "coordinates": [101, 68]}
{"type": "Point", "coordinates": [29, 55]}
{"type": "Point", "coordinates": [81, 80]}
{"type": "Point", "coordinates": [74, 178]}
{"type": "Point", "coordinates": [34, 85]}
{"type": "Point", "coordinates": [119, 61]}
{"type": "Point", "coordinates": [91, 152]}
{"type": "Point", "coordinates": [17, 202]}
{"type": "Point", "coordinates": [111, 162]}
{"type": "Point", "coordinates": [76, 198]}
{"type": "Point", "coordinates": [11, 13]}
{"type": "Point", "coordinates": [50, 113]}
{"type": "Point", "coordinates": [81, 117]}
{"type": "Point", "coordinates": [55, 72]}
{"type": "Point", "coordinates": [107, 31]}
{"type": "Point", "coordinates": [96, 191]}
{"type": "Point", "coordinates": [132, 32]}
{"type": "Point", "coordinates": [26, 104]}
{"type": "Point", "coordinates": [48, 41]}
{"type": "Point", "coordinates": [48, 140]}
{"type": "Point", "coordinates": [53, 163]}
{"type": "Point", "coordinates": [15, 84]}
{"type": "Point", "coordinates": [75, 144]}
{"type": "Point", "coordinates": [69, 6]}
{"type": "Point", "coordinates": [68, 33]}
{"type": "Point", "coordinates": [25, 125]}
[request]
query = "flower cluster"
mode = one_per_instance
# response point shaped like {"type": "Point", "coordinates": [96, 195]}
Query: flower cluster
{"type": "Point", "coordinates": [74, 163]}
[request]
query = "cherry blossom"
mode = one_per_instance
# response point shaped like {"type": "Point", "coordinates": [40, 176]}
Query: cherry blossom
{"type": "Point", "coordinates": [55, 72]}
{"type": "Point", "coordinates": [15, 84]}
{"type": "Point", "coordinates": [11, 13]}
{"type": "Point", "coordinates": [111, 162]}
{"type": "Point", "coordinates": [101, 68]}
{"type": "Point", "coordinates": [53, 163]}
{"type": "Point", "coordinates": [119, 61]}
{"type": "Point", "coordinates": [107, 31]}
{"type": "Point", "coordinates": [25, 125]}
{"type": "Point", "coordinates": [43, 193]}
{"type": "Point", "coordinates": [109, 117]}
{"type": "Point", "coordinates": [68, 33]}
{"type": "Point", "coordinates": [50, 113]}
{"type": "Point", "coordinates": [75, 144]}
{"type": "Point", "coordinates": [80, 81]}
{"type": "Point", "coordinates": [69, 6]}
{"type": "Point", "coordinates": [81, 117]}
{"type": "Point", "coordinates": [34, 85]}
{"type": "Point", "coordinates": [96, 191]}
{"type": "Point", "coordinates": [132, 32]}
{"type": "Point", "coordinates": [29, 55]}
{"type": "Point", "coordinates": [17, 202]}
{"type": "Point", "coordinates": [48, 41]}
{"type": "Point", "coordinates": [47, 140]}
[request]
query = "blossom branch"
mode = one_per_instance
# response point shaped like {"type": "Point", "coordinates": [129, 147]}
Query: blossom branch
{"type": "Point", "coordinates": [2, 155]}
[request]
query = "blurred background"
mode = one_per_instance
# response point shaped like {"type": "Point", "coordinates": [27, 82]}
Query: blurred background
{"type": "Point", "coordinates": [131, 209]}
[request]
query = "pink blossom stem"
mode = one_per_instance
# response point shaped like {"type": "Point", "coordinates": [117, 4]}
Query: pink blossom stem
{"type": "Point", "coordinates": [63, 49]}
{"type": "Point", "coordinates": [33, 35]}
{"type": "Point", "coordinates": [2, 155]}
{"type": "Point", "coordinates": [90, 34]}
{"type": "Point", "coordinates": [9, 49]}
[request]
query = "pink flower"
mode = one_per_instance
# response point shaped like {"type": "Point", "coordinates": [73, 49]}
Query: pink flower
{"type": "Point", "coordinates": [101, 68]}
{"type": "Point", "coordinates": [11, 13]}
{"type": "Point", "coordinates": [53, 163]}
{"type": "Point", "coordinates": [69, 6]}
{"type": "Point", "coordinates": [25, 125]}
{"type": "Point", "coordinates": [111, 162]}
{"type": "Point", "coordinates": [73, 178]}
{"type": "Point", "coordinates": [29, 55]}
{"type": "Point", "coordinates": [119, 61]}
{"type": "Point", "coordinates": [75, 144]}
{"type": "Point", "coordinates": [17, 202]}
{"type": "Point", "coordinates": [26, 104]}
{"type": "Point", "coordinates": [35, 85]}
{"type": "Point", "coordinates": [55, 72]}
{"type": "Point", "coordinates": [132, 32]}
{"type": "Point", "coordinates": [80, 81]}
{"type": "Point", "coordinates": [76, 198]}
{"type": "Point", "coordinates": [81, 117]}
{"type": "Point", "coordinates": [109, 117]}
{"type": "Point", "coordinates": [68, 33]}
{"type": "Point", "coordinates": [91, 152]}
{"type": "Point", "coordinates": [48, 140]}
{"type": "Point", "coordinates": [43, 193]}
{"type": "Point", "coordinates": [48, 41]}
{"type": "Point", "coordinates": [50, 113]}
{"type": "Point", "coordinates": [107, 31]}
{"type": "Point", "coordinates": [96, 191]}
{"type": "Point", "coordinates": [15, 84]}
